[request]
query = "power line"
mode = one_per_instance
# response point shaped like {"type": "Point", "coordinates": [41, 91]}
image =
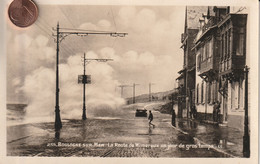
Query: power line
{"type": "Point", "coordinates": [65, 15]}
{"type": "Point", "coordinates": [113, 17]}
{"type": "Point", "coordinates": [39, 24]}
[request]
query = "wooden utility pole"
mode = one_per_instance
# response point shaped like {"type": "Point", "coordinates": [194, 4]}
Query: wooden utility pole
{"type": "Point", "coordinates": [122, 89]}
{"type": "Point", "coordinates": [134, 92]}
{"type": "Point", "coordinates": [150, 90]}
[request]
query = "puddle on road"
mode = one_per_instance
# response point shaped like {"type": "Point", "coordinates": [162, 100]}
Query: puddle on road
{"type": "Point", "coordinates": [108, 118]}
{"type": "Point", "coordinates": [147, 134]}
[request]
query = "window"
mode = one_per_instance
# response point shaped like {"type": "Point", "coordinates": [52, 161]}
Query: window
{"type": "Point", "coordinates": [205, 52]}
{"type": "Point", "coordinates": [202, 92]}
{"type": "Point", "coordinates": [213, 90]}
{"type": "Point", "coordinates": [198, 62]}
{"type": "Point", "coordinates": [240, 45]}
{"type": "Point", "coordinates": [229, 42]}
{"type": "Point", "coordinates": [235, 95]}
{"type": "Point", "coordinates": [197, 94]}
{"type": "Point", "coordinates": [209, 93]}
{"type": "Point", "coordinates": [227, 45]}
{"type": "Point", "coordinates": [210, 47]}
{"type": "Point", "coordinates": [241, 95]}
{"type": "Point", "coordinates": [223, 47]}
{"type": "Point", "coordinates": [202, 53]}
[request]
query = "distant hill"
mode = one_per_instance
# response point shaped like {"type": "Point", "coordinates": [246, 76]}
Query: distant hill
{"type": "Point", "coordinates": [157, 96]}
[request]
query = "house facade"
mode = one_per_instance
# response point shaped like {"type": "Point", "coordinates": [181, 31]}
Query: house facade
{"type": "Point", "coordinates": [220, 50]}
{"type": "Point", "coordinates": [186, 79]}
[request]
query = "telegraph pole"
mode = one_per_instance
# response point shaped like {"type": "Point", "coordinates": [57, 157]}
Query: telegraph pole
{"type": "Point", "coordinates": [87, 80]}
{"type": "Point", "coordinates": [62, 33]}
{"type": "Point", "coordinates": [150, 89]}
{"type": "Point", "coordinates": [122, 89]}
{"type": "Point", "coordinates": [134, 92]}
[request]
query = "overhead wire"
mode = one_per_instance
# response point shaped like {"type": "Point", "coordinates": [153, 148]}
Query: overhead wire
{"type": "Point", "coordinates": [66, 49]}
{"type": "Point", "coordinates": [114, 25]}
{"type": "Point", "coordinates": [113, 18]}
{"type": "Point", "coordinates": [48, 28]}
{"type": "Point", "coordinates": [69, 21]}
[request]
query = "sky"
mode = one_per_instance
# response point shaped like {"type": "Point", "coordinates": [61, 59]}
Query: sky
{"type": "Point", "coordinates": [149, 53]}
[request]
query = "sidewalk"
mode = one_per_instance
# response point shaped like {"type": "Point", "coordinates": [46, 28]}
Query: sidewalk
{"type": "Point", "coordinates": [225, 139]}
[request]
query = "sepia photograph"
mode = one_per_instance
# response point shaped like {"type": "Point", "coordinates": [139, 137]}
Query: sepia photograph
{"type": "Point", "coordinates": [130, 81]}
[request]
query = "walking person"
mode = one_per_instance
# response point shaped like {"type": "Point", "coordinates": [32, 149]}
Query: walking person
{"type": "Point", "coordinates": [173, 118]}
{"type": "Point", "coordinates": [150, 118]}
{"type": "Point", "coordinates": [218, 113]}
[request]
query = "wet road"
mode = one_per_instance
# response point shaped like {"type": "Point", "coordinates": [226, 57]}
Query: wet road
{"type": "Point", "coordinates": [121, 135]}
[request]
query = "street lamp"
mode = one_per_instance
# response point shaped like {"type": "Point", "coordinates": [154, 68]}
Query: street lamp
{"type": "Point", "coordinates": [86, 80]}
{"type": "Point", "coordinates": [246, 137]}
{"type": "Point", "coordinates": [60, 35]}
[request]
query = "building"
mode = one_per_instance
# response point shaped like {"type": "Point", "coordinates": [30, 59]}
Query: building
{"type": "Point", "coordinates": [220, 48]}
{"type": "Point", "coordinates": [207, 63]}
{"type": "Point", "coordinates": [231, 67]}
{"type": "Point", "coordinates": [186, 79]}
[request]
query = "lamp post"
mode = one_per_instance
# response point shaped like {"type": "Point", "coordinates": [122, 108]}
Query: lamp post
{"type": "Point", "coordinates": [58, 124]}
{"type": "Point", "coordinates": [84, 117]}
{"type": "Point", "coordinates": [60, 35]}
{"type": "Point", "coordinates": [246, 137]}
{"type": "Point", "coordinates": [86, 80]}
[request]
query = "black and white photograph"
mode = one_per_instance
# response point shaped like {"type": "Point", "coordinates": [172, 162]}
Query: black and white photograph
{"type": "Point", "coordinates": [130, 81]}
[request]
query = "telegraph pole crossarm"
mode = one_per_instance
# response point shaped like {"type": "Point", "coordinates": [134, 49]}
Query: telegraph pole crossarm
{"type": "Point", "coordinates": [122, 89]}
{"type": "Point", "coordinates": [150, 90]}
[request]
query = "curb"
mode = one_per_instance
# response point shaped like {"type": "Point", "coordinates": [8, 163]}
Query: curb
{"type": "Point", "coordinates": [200, 141]}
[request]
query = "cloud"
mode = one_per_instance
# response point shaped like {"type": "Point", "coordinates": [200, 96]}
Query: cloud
{"type": "Point", "coordinates": [127, 15]}
{"type": "Point", "coordinates": [104, 24]}
{"type": "Point", "coordinates": [101, 25]}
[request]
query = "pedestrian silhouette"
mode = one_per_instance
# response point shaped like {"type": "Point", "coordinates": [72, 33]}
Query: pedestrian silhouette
{"type": "Point", "coordinates": [150, 118]}
{"type": "Point", "coordinates": [173, 117]}
{"type": "Point", "coordinates": [216, 111]}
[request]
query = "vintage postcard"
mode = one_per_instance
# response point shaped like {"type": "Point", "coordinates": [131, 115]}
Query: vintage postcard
{"type": "Point", "coordinates": [129, 81]}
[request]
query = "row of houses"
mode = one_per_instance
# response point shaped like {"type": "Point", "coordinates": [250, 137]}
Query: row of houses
{"type": "Point", "coordinates": [214, 46]}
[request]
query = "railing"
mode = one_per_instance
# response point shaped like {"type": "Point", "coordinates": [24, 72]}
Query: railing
{"type": "Point", "coordinates": [183, 36]}
{"type": "Point", "coordinates": [206, 65]}
{"type": "Point", "coordinates": [212, 21]}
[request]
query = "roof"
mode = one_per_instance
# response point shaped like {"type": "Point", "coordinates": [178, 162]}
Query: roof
{"type": "Point", "coordinates": [180, 77]}
{"type": "Point", "coordinates": [194, 13]}
{"type": "Point", "coordinates": [182, 70]}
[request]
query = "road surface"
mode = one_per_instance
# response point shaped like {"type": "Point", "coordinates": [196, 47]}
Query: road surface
{"type": "Point", "coordinates": [122, 135]}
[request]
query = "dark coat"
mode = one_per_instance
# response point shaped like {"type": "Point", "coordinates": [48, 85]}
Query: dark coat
{"type": "Point", "coordinates": [150, 117]}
